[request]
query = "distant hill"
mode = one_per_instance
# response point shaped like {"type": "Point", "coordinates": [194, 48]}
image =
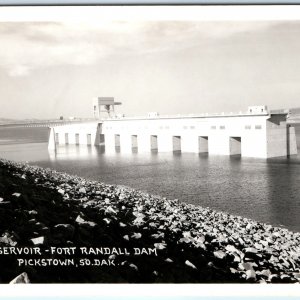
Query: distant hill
{"type": "Point", "coordinates": [295, 111]}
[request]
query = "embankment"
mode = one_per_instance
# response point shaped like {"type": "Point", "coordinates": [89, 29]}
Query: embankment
{"type": "Point", "coordinates": [148, 239]}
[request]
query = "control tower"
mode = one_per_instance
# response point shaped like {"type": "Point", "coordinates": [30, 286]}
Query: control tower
{"type": "Point", "coordinates": [104, 105]}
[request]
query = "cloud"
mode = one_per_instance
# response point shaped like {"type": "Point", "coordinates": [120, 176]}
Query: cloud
{"type": "Point", "coordinates": [31, 46]}
{"type": "Point", "coordinates": [16, 71]}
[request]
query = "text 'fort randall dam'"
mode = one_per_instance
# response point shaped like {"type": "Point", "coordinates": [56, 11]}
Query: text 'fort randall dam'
{"type": "Point", "coordinates": [256, 133]}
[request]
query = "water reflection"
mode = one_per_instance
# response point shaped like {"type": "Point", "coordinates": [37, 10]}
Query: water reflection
{"type": "Point", "coordinates": [261, 189]}
{"type": "Point", "coordinates": [71, 152]}
{"type": "Point", "coordinates": [283, 181]}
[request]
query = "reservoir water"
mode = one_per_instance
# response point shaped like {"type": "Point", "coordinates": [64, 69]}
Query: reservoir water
{"type": "Point", "coordinates": [266, 190]}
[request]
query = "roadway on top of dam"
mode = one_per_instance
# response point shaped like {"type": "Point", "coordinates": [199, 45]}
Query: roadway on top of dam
{"type": "Point", "coordinates": [47, 123]}
{"type": "Point", "coordinates": [54, 123]}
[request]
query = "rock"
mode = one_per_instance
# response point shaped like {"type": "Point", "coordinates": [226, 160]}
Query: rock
{"type": "Point", "coordinates": [262, 281]}
{"type": "Point", "coordinates": [246, 266]}
{"type": "Point", "coordinates": [250, 275]}
{"type": "Point", "coordinates": [122, 224]}
{"type": "Point", "coordinates": [80, 220]}
{"type": "Point", "coordinates": [231, 249]}
{"type": "Point", "coordinates": [16, 195]}
{"type": "Point", "coordinates": [251, 250]}
{"type": "Point", "coordinates": [32, 212]}
{"type": "Point", "coordinates": [188, 263]}
{"type": "Point", "coordinates": [219, 254]}
{"type": "Point", "coordinates": [264, 243]}
{"type": "Point", "coordinates": [106, 220]}
{"type": "Point", "coordinates": [22, 278]}
{"type": "Point", "coordinates": [286, 278]}
{"type": "Point", "coordinates": [297, 276]}
{"type": "Point", "coordinates": [160, 246]}
{"type": "Point", "coordinates": [274, 278]}
{"type": "Point", "coordinates": [258, 246]}
{"type": "Point", "coordinates": [133, 266]}
{"type": "Point", "coordinates": [241, 241]}
{"type": "Point", "coordinates": [169, 260]}
{"type": "Point", "coordinates": [61, 191]}
{"type": "Point", "coordinates": [82, 190]}
{"type": "Point", "coordinates": [110, 210]}
{"type": "Point", "coordinates": [126, 237]}
{"type": "Point", "coordinates": [136, 235]}
{"type": "Point", "coordinates": [1, 199]}
{"type": "Point", "coordinates": [38, 241]}
{"type": "Point", "coordinates": [236, 257]}
{"type": "Point", "coordinates": [66, 230]}
{"type": "Point", "coordinates": [8, 239]}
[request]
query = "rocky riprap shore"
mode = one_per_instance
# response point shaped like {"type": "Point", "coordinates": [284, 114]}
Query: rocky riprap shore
{"type": "Point", "coordinates": [194, 244]}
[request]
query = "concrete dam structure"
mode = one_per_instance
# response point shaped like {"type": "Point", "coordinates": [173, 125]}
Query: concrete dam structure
{"type": "Point", "coordinates": [256, 133]}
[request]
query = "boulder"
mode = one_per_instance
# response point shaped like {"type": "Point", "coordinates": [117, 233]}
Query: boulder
{"type": "Point", "coordinates": [189, 264]}
{"type": "Point", "coordinates": [64, 230]}
{"type": "Point", "coordinates": [22, 278]}
{"type": "Point", "coordinates": [38, 241]}
{"type": "Point", "coordinates": [82, 190]}
{"type": "Point", "coordinates": [16, 195]}
{"type": "Point", "coordinates": [81, 221]}
{"type": "Point", "coordinates": [250, 275]}
{"type": "Point", "coordinates": [8, 239]}
{"type": "Point", "coordinates": [219, 254]}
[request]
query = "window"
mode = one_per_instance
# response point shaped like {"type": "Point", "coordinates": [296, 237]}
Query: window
{"type": "Point", "coordinates": [167, 127]}
{"type": "Point", "coordinates": [185, 127]}
{"type": "Point", "coordinates": [257, 126]}
{"type": "Point", "coordinates": [248, 127]}
{"type": "Point", "coordinates": [161, 127]}
{"type": "Point", "coordinates": [213, 127]}
{"type": "Point", "coordinates": [192, 127]}
{"type": "Point", "coordinates": [222, 127]}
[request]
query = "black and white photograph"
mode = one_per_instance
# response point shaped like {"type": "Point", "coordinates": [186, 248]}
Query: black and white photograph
{"type": "Point", "coordinates": [150, 144]}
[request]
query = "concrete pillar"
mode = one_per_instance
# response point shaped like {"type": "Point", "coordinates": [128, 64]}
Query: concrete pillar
{"type": "Point", "coordinates": [110, 142]}
{"type": "Point", "coordinates": [164, 143]}
{"type": "Point", "coordinates": [125, 143]}
{"type": "Point", "coordinates": [89, 139]}
{"type": "Point", "coordinates": [254, 145]}
{"type": "Point", "coordinates": [96, 138]}
{"type": "Point", "coordinates": [72, 138]}
{"type": "Point", "coordinates": [51, 141]}
{"type": "Point", "coordinates": [176, 143]}
{"type": "Point", "coordinates": [189, 143]}
{"type": "Point", "coordinates": [62, 138]}
{"type": "Point", "coordinates": [277, 141]}
{"type": "Point", "coordinates": [292, 146]}
{"type": "Point", "coordinates": [83, 137]}
{"type": "Point", "coordinates": [218, 144]}
{"type": "Point", "coordinates": [203, 144]}
{"type": "Point", "coordinates": [66, 138]}
{"type": "Point", "coordinates": [134, 142]}
{"type": "Point", "coordinates": [144, 143]}
{"type": "Point", "coordinates": [153, 142]}
{"type": "Point", "coordinates": [234, 145]}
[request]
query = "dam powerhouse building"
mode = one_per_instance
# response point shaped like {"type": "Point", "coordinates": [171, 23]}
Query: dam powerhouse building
{"type": "Point", "coordinates": [255, 133]}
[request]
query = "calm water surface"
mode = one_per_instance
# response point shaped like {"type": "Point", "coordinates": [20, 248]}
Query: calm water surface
{"type": "Point", "coordinates": [261, 189]}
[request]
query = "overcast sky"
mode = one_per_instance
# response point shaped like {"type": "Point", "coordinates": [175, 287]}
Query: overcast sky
{"type": "Point", "coordinates": [49, 69]}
